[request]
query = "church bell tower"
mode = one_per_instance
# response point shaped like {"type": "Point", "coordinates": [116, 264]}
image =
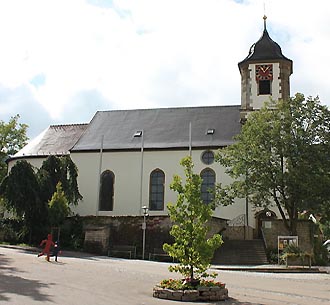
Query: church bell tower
{"type": "Point", "coordinates": [265, 74]}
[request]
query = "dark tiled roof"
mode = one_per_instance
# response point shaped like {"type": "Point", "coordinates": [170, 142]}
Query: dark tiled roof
{"type": "Point", "coordinates": [56, 139]}
{"type": "Point", "coordinates": [163, 128]}
{"type": "Point", "coordinates": [264, 49]}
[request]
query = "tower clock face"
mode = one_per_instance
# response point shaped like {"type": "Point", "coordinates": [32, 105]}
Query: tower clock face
{"type": "Point", "coordinates": [264, 72]}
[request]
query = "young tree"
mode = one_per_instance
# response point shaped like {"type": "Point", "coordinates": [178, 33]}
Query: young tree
{"type": "Point", "coordinates": [20, 190]}
{"type": "Point", "coordinates": [190, 216]}
{"type": "Point", "coordinates": [58, 208]}
{"type": "Point", "coordinates": [281, 157]}
{"type": "Point", "coordinates": [12, 139]}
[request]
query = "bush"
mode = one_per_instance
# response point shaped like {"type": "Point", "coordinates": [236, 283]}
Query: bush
{"type": "Point", "coordinates": [175, 284]}
{"type": "Point", "coordinates": [320, 254]}
{"type": "Point", "coordinates": [272, 255]}
{"type": "Point", "coordinates": [72, 235]}
{"type": "Point", "coordinates": [13, 231]}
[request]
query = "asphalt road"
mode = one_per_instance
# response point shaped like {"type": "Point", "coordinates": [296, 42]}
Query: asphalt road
{"type": "Point", "coordinates": [86, 280]}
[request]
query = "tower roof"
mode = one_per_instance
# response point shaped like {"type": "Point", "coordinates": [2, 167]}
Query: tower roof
{"type": "Point", "coordinates": [264, 49]}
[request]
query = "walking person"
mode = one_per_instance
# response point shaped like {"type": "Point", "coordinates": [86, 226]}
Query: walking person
{"type": "Point", "coordinates": [56, 250]}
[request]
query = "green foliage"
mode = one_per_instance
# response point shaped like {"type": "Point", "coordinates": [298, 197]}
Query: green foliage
{"type": "Point", "coordinates": [12, 139]}
{"type": "Point", "coordinates": [58, 207]}
{"type": "Point", "coordinates": [325, 228]}
{"type": "Point", "coordinates": [12, 230]}
{"type": "Point", "coordinates": [59, 169]}
{"type": "Point", "coordinates": [21, 192]}
{"type": "Point", "coordinates": [293, 251]}
{"type": "Point", "coordinates": [72, 233]}
{"type": "Point", "coordinates": [272, 255]}
{"type": "Point", "coordinates": [26, 192]}
{"type": "Point", "coordinates": [175, 284]}
{"type": "Point", "coordinates": [320, 253]}
{"type": "Point", "coordinates": [281, 157]}
{"type": "Point", "coordinates": [190, 216]}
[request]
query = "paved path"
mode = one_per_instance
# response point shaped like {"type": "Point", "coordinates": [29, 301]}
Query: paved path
{"type": "Point", "coordinates": [86, 280]}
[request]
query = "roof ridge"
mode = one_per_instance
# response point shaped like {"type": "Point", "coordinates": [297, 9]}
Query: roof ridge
{"type": "Point", "coordinates": [67, 125]}
{"type": "Point", "coordinates": [167, 108]}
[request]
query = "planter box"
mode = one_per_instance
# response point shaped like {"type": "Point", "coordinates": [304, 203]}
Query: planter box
{"type": "Point", "coordinates": [200, 294]}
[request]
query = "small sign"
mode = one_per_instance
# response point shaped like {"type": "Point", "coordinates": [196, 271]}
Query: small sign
{"type": "Point", "coordinates": [267, 224]}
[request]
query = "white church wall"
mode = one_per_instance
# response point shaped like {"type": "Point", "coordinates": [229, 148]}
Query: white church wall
{"type": "Point", "coordinates": [35, 162]}
{"type": "Point", "coordinates": [126, 167]}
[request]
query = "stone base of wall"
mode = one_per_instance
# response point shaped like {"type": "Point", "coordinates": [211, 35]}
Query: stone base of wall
{"type": "Point", "coordinates": [205, 294]}
{"type": "Point", "coordinates": [104, 231]}
{"type": "Point", "coordinates": [275, 227]}
{"type": "Point", "coordinates": [96, 239]}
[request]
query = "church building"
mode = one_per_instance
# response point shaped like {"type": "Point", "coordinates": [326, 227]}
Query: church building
{"type": "Point", "coordinates": [126, 159]}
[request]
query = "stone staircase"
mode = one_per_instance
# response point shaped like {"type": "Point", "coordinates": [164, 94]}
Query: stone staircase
{"type": "Point", "coordinates": [241, 252]}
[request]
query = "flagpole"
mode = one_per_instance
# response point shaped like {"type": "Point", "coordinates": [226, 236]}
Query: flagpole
{"type": "Point", "coordinates": [190, 140]}
{"type": "Point", "coordinates": [99, 178]}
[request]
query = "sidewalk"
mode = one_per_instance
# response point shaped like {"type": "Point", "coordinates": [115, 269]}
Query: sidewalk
{"type": "Point", "coordinates": [257, 268]}
{"type": "Point", "coordinates": [275, 269]}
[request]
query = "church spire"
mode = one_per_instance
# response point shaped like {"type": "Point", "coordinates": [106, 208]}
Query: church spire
{"type": "Point", "coordinates": [264, 49]}
{"type": "Point", "coordinates": [265, 74]}
{"type": "Point", "coordinates": [265, 18]}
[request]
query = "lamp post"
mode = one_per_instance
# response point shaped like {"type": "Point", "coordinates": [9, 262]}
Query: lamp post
{"type": "Point", "coordinates": [144, 227]}
{"type": "Point", "coordinates": [246, 225]}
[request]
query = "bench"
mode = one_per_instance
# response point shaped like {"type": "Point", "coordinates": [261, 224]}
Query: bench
{"type": "Point", "coordinates": [127, 251]}
{"type": "Point", "coordinates": [160, 254]}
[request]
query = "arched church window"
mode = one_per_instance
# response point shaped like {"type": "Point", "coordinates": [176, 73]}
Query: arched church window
{"type": "Point", "coordinates": [208, 185]}
{"type": "Point", "coordinates": [106, 191]}
{"type": "Point", "coordinates": [156, 190]}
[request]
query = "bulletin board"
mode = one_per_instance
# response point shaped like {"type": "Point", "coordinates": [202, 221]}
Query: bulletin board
{"type": "Point", "coordinates": [283, 242]}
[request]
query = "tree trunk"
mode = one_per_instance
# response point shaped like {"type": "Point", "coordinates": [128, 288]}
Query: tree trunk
{"type": "Point", "coordinates": [293, 226]}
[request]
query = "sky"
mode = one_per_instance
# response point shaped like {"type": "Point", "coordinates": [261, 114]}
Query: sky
{"type": "Point", "coordinates": [63, 60]}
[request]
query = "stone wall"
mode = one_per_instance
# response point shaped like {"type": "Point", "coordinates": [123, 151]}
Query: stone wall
{"type": "Point", "coordinates": [217, 226]}
{"type": "Point", "coordinates": [96, 238]}
{"type": "Point", "coordinates": [204, 294]}
{"type": "Point", "coordinates": [274, 228]}
{"type": "Point", "coordinates": [127, 230]}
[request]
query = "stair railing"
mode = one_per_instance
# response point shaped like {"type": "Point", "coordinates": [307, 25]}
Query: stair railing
{"type": "Point", "coordinates": [237, 221]}
{"type": "Point", "coordinates": [238, 225]}
{"type": "Point", "coordinates": [263, 237]}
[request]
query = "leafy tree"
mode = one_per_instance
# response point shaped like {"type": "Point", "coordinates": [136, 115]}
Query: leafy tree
{"type": "Point", "coordinates": [21, 192]}
{"type": "Point", "coordinates": [12, 139]}
{"type": "Point", "coordinates": [281, 157]}
{"type": "Point", "coordinates": [190, 216]}
{"type": "Point", "coordinates": [59, 169]}
{"type": "Point", "coordinates": [58, 208]}
{"type": "Point", "coordinates": [27, 191]}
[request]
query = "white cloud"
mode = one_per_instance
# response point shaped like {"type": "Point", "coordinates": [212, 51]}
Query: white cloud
{"type": "Point", "coordinates": [152, 53]}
